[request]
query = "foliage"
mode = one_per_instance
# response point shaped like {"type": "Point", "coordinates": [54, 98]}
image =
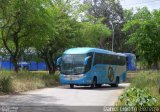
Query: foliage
{"type": "Point", "coordinates": [111, 13]}
{"type": "Point", "coordinates": [6, 84]}
{"type": "Point", "coordinates": [19, 22]}
{"type": "Point", "coordinates": [94, 33]}
{"type": "Point", "coordinates": [52, 43]}
{"type": "Point", "coordinates": [137, 97]}
{"type": "Point", "coordinates": [67, 32]}
{"type": "Point", "coordinates": [127, 47]}
{"type": "Point", "coordinates": [55, 26]}
{"type": "Point", "coordinates": [24, 81]}
{"type": "Point", "coordinates": [149, 80]}
{"type": "Point", "coordinates": [49, 27]}
{"type": "Point", "coordinates": [145, 33]}
{"type": "Point", "coordinates": [143, 91]}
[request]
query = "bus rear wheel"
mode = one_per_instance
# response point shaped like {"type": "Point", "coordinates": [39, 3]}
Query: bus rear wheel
{"type": "Point", "coordinates": [72, 86]}
{"type": "Point", "coordinates": [116, 84]}
{"type": "Point", "coordinates": [99, 85]}
{"type": "Point", "coordinates": [94, 83]}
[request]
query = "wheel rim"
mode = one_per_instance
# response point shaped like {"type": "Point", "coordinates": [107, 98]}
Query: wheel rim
{"type": "Point", "coordinates": [94, 83]}
{"type": "Point", "coordinates": [110, 74]}
{"type": "Point", "coordinates": [71, 86]}
{"type": "Point", "coordinates": [117, 81]}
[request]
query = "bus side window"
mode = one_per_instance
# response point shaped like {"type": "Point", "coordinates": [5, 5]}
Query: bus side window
{"type": "Point", "coordinates": [89, 63]}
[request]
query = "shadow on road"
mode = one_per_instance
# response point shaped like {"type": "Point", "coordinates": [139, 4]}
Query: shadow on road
{"type": "Point", "coordinates": [104, 87]}
{"type": "Point", "coordinates": [16, 108]}
{"type": "Point", "coordinates": [28, 100]}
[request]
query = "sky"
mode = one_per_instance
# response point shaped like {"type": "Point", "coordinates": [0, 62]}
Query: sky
{"type": "Point", "coordinates": [151, 4]}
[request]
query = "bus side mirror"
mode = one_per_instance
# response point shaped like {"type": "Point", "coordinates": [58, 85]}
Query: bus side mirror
{"type": "Point", "coordinates": [86, 60]}
{"type": "Point", "coordinates": [58, 63]}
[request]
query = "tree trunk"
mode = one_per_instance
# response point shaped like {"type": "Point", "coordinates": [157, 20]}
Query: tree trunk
{"type": "Point", "coordinates": [53, 68]}
{"type": "Point", "coordinates": [52, 64]}
{"type": "Point", "coordinates": [14, 61]}
{"type": "Point", "coordinates": [48, 57]}
{"type": "Point", "coordinates": [48, 66]}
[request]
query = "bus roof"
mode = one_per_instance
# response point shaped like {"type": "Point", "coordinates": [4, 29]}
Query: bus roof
{"type": "Point", "coordinates": [84, 50]}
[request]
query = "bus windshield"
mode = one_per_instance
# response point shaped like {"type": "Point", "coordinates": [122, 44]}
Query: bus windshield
{"type": "Point", "coordinates": [73, 64]}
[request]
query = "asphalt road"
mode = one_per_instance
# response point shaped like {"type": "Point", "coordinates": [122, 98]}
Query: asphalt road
{"type": "Point", "coordinates": [63, 99]}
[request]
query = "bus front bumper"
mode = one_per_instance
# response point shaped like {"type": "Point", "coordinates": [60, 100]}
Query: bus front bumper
{"type": "Point", "coordinates": [75, 79]}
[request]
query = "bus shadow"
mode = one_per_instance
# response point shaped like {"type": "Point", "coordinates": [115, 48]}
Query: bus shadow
{"type": "Point", "coordinates": [104, 87]}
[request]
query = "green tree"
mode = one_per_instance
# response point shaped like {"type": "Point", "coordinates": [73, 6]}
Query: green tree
{"type": "Point", "coordinates": [18, 21]}
{"type": "Point", "coordinates": [53, 40]}
{"type": "Point", "coordinates": [127, 47]}
{"type": "Point", "coordinates": [48, 26]}
{"type": "Point", "coordinates": [67, 32]}
{"type": "Point", "coordinates": [145, 33]}
{"type": "Point", "coordinates": [112, 13]}
{"type": "Point", "coordinates": [94, 34]}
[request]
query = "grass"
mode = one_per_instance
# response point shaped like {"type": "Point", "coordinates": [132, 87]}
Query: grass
{"type": "Point", "coordinates": [148, 81]}
{"type": "Point", "coordinates": [25, 80]}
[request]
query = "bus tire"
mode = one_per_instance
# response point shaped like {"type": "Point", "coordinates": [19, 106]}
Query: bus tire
{"type": "Point", "coordinates": [116, 84]}
{"type": "Point", "coordinates": [94, 83]}
{"type": "Point", "coordinates": [72, 86]}
{"type": "Point", "coordinates": [99, 85]}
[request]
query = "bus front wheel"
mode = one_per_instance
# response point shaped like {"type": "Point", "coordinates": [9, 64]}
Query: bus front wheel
{"type": "Point", "coordinates": [72, 86]}
{"type": "Point", "coordinates": [94, 83]}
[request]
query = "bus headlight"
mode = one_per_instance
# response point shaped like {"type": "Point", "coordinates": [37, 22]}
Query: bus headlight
{"type": "Point", "coordinates": [77, 77]}
{"type": "Point", "coordinates": [74, 77]}
{"type": "Point", "coordinates": [81, 75]}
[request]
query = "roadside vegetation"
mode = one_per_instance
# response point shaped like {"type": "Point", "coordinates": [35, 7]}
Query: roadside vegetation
{"type": "Point", "coordinates": [25, 80]}
{"type": "Point", "coordinates": [143, 91]}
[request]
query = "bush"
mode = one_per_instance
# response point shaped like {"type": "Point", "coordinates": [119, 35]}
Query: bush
{"type": "Point", "coordinates": [148, 80]}
{"type": "Point", "coordinates": [143, 91]}
{"type": "Point", "coordinates": [51, 80]}
{"type": "Point", "coordinates": [48, 80]}
{"type": "Point", "coordinates": [6, 84]}
{"type": "Point", "coordinates": [25, 80]}
{"type": "Point", "coordinates": [137, 97]}
{"type": "Point", "coordinates": [57, 76]}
